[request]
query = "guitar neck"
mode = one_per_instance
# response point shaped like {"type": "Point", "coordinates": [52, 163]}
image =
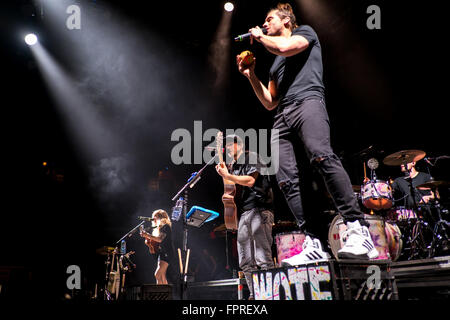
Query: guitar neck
{"type": "Point", "coordinates": [219, 151]}
{"type": "Point", "coordinates": [220, 155]}
{"type": "Point", "coordinates": [219, 146]}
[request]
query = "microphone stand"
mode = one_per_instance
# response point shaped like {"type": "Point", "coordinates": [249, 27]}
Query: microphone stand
{"type": "Point", "coordinates": [194, 178]}
{"type": "Point", "coordinates": [130, 233]}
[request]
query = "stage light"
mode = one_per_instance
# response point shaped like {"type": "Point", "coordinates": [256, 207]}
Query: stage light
{"type": "Point", "coordinates": [219, 49]}
{"type": "Point", "coordinates": [31, 39]}
{"type": "Point", "coordinates": [229, 6]}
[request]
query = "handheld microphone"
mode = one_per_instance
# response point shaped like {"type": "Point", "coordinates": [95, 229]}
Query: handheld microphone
{"type": "Point", "coordinates": [146, 218]}
{"type": "Point", "coordinates": [247, 35]}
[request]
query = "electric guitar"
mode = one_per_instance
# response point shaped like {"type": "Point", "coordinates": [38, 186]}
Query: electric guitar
{"type": "Point", "coordinates": [153, 246]}
{"type": "Point", "coordinates": [230, 210]}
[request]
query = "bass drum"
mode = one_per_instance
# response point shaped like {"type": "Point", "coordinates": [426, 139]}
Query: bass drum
{"type": "Point", "coordinates": [394, 240]}
{"type": "Point", "coordinates": [385, 236]}
{"type": "Point", "coordinates": [289, 244]}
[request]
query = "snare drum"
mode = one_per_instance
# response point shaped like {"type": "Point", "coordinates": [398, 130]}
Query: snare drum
{"type": "Point", "coordinates": [386, 241]}
{"type": "Point", "coordinates": [289, 244]}
{"type": "Point", "coordinates": [377, 195]}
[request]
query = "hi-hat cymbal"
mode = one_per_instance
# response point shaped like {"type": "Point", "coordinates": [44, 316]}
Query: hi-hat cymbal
{"type": "Point", "coordinates": [433, 184]}
{"type": "Point", "coordinates": [356, 188]}
{"type": "Point", "coordinates": [405, 156]}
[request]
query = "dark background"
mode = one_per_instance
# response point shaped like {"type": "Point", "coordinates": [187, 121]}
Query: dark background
{"type": "Point", "coordinates": [385, 88]}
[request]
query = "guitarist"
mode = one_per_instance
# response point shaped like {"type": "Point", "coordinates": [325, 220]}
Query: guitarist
{"type": "Point", "coordinates": [254, 204]}
{"type": "Point", "coordinates": [160, 243]}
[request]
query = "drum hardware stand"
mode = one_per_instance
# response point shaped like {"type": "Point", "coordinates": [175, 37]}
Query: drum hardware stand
{"type": "Point", "coordinates": [194, 178]}
{"type": "Point", "coordinates": [440, 234]}
{"type": "Point", "coordinates": [416, 238]}
{"type": "Point", "coordinates": [418, 246]}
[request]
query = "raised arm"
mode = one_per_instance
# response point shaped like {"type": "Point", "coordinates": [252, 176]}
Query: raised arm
{"type": "Point", "coordinates": [281, 46]}
{"type": "Point", "coordinates": [266, 95]}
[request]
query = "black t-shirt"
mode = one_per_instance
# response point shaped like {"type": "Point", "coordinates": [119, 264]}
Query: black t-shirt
{"type": "Point", "coordinates": [402, 192]}
{"type": "Point", "coordinates": [299, 76]}
{"type": "Point", "coordinates": [258, 196]}
{"type": "Point", "coordinates": [166, 250]}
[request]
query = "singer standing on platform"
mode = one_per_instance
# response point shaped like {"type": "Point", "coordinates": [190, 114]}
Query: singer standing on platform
{"type": "Point", "coordinates": [161, 237]}
{"type": "Point", "coordinates": [297, 92]}
{"type": "Point", "coordinates": [254, 203]}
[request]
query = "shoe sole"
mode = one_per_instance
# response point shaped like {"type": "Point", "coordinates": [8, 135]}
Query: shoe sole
{"type": "Point", "coordinates": [372, 254]}
{"type": "Point", "coordinates": [286, 264]}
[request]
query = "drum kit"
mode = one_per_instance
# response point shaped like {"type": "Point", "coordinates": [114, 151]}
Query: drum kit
{"type": "Point", "coordinates": [398, 233]}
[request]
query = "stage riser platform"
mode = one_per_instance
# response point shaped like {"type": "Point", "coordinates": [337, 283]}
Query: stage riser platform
{"type": "Point", "coordinates": [333, 280]}
{"type": "Point", "coordinates": [423, 279]}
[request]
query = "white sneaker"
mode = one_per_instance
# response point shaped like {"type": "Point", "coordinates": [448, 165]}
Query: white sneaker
{"type": "Point", "coordinates": [312, 252]}
{"type": "Point", "coordinates": [358, 243]}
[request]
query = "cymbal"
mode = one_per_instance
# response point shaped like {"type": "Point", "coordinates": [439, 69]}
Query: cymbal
{"type": "Point", "coordinates": [356, 188]}
{"type": "Point", "coordinates": [434, 184]}
{"type": "Point", "coordinates": [105, 250]}
{"type": "Point", "coordinates": [405, 156]}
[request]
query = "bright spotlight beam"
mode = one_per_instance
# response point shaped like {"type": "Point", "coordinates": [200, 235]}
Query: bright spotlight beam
{"type": "Point", "coordinates": [31, 39]}
{"type": "Point", "coordinates": [219, 52]}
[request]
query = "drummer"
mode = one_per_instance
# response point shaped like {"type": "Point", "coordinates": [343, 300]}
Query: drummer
{"type": "Point", "coordinates": [402, 191]}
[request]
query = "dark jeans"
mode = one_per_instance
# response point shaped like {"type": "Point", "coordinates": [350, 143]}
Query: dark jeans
{"type": "Point", "coordinates": [308, 120]}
